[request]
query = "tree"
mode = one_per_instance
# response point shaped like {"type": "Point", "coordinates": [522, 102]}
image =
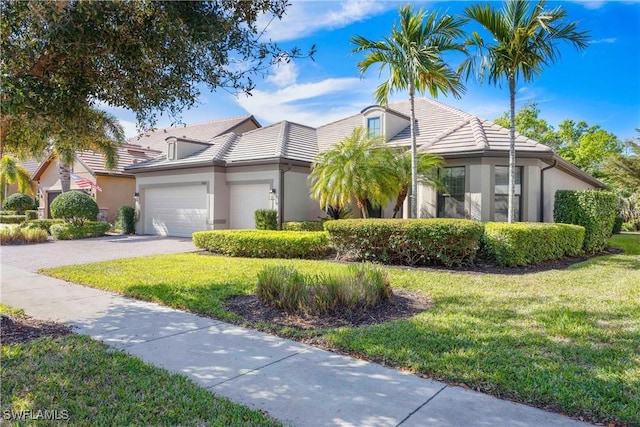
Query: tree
{"type": "Point", "coordinates": [12, 173]}
{"type": "Point", "coordinates": [530, 125]}
{"type": "Point", "coordinates": [147, 56]}
{"type": "Point", "coordinates": [586, 146]}
{"type": "Point", "coordinates": [358, 167]}
{"type": "Point", "coordinates": [412, 53]}
{"type": "Point", "coordinates": [428, 165]}
{"type": "Point", "coordinates": [624, 170]}
{"type": "Point", "coordinates": [524, 38]}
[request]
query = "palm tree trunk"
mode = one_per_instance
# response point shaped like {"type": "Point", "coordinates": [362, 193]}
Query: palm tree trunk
{"type": "Point", "coordinates": [512, 150]}
{"type": "Point", "coordinates": [414, 152]}
{"type": "Point", "coordinates": [400, 200]}
{"type": "Point", "coordinates": [65, 174]}
{"type": "Point", "coordinates": [362, 205]}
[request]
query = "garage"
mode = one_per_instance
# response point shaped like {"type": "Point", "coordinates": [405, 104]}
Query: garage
{"type": "Point", "coordinates": [176, 210]}
{"type": "Point", "coordinates": [244, 200]}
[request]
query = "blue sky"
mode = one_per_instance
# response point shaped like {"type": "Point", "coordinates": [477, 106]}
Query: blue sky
{"type": "Point", "coordinates": [600, 85]}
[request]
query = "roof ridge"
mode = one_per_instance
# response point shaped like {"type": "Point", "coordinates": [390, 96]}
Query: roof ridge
{"type": "Point", "coordinates": [478, 133]}
{"type": "Point", "coordinates": [282, 139]}
{"type": "Point", "coordinates": [444, 106]}
{"type": "Point", "coordinates": [226, 145]}
{"type": "Point", "coordinates": [447, 132]}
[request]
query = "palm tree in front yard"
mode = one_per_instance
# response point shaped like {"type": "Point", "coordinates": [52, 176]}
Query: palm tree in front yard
{"type": "Point", "coordinates": [12, 173]}
{"type": "Point", "coordinates": [413, 55]}
{"type": "Point", "coordinates": [359, 167]}
{"type": "Point", "coordinates": [428, 165]}
{"type": "Point", "coordinates": [524, 38]}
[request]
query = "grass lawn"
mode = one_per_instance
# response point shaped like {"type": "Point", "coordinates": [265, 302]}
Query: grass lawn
{"type": "Point", "coordinates": [86, 383]}
{"type": "Point", "coordinates": [566, 340]}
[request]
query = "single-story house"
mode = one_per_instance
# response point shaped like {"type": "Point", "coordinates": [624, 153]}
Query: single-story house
{"type": "Point", "coordinates": [218, 183]}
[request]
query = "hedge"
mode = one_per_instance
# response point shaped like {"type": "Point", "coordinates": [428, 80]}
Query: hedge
{"type": "Point", "coordinates": [43, 224]}
{"type": "Point", "coordinates": [524, 243]}
{"type": "Point", "coordinates": [303, 226]}
{"type": "Point", "coordinates": [127, 219]}
{"type": "Point", "coordinates": [442, 241]}
{"type": "Point", "coordinates": [264, 243]}
{"type": "Point", "coordinates": [12, 219]}
{"type": "Point", "coordinates": [266, 219]}
{"type": "Point", "coordinates": [31, 215]}
{"type": "Point", "coordinates": [70, 231]}
{"type": "Point", "coordinates": [594, 210]}
{"type": "Point", "coordinates": [18, 202]}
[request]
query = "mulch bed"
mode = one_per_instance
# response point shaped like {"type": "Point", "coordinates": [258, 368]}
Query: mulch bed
{"type": "Point", "coordinates": [22, 329]}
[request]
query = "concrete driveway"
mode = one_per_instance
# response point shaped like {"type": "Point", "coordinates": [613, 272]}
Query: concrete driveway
{"type": "Point", "coordinates": [68, 252]}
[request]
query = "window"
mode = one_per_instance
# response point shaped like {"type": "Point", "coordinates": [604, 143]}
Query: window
{"type": "Point", "coordinates": [501, 194]}
{"type": "Point", "coordinates": [451, 203]}
{"type": "Point", "coordinates": [171, 151]}
{"type": "Point", "coordinates": [373, 125]}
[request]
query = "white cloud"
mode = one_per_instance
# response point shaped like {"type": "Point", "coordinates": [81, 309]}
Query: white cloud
{"type": "Point", "coordinates": [591, 4]}
{"type": "Point", "coordinates": [608, 40]}
{"type": "Point", "coordinates": [130, 129]}
{"type": "Point", "coordinates": [303, 18]}
{"type": "Point", "coordinates": [285, 74]}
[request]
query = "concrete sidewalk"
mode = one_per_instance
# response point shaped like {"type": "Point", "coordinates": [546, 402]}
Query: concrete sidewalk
{"type": "Point", "coordinates": [296, 383]}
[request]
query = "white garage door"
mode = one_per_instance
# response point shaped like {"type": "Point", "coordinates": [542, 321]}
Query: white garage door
{"type": "Point", "coordinates": [244, 200]}
{"type": "Point", "coordinates": [175, 210]}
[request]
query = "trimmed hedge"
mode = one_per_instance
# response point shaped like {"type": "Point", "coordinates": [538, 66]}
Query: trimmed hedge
{"type": "Point", "coordinates": [15, 235]}
{"type": "Point", "coordinates": [127, 219]}
{"type": "Point", "coordinates": [12, 219]}
{"type": "Point", "coordinates": [266, 219]}
{"type": "Point", "coordinates": [530, 243]}
{"type": "Point", "coordinates": [594, 210]}
{"type": "Point", "coordinates": [70, 231]}
{"type": "Point", "coordinates": [264, 243]}
{"type": "Point", "coordinates": [441, 241]}
{"type": "Point", "coordinates": [43, 224]}
{"type": "Point", "coordinates": [75, 206]}
{"type": "Point", "coordinates": [31, 215]}
{"type": "Point", "coordinates": [303, 226]}
{"type": "Point", "coordinates": [18, 202]}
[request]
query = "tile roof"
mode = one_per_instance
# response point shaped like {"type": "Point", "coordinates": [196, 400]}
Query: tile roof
{"type": "Point", "coordinates": [203, 131]}
{"type": "Point", "coordinates": [128, 154]}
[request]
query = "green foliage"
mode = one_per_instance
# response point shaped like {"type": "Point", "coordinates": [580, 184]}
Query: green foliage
{"type": "Point", "coordinates": [586, 146]}
{"type": "Point", "coordinates": [303, 226]}
{"type": "Point", "coordinates": [71, 231]}
{"type": "Point", "coordinates": [16, 235]}
{"type": "Point", "coordinates": [31, 215]}
{"type": "Point", "coordinates": [624, 170]}
{"type": "Point", "coordinates": [18, 202]}
{"type": "Point", "coordinates": [266, 219]}
{"type": "Point", "coordinates": [631, 226]}
{"type": "Point", "coordinates": [617, 224]}
{"type": "Point", "coordinates": [426, 167]}
{"type": "Point", "coordinates": [339, 212]}
{"type": "Point", "coordinates": [594, 210]}
{"type": "Point", "coordinates": [441, 241]}
{"type": "Point", "coordinates": [530, 125]}
{"type": "Point", "coordinates": [75, 207]}
{"type": "Point", "coordinates": [13, 173]}
{"type": "Point", "coordinates": [359, 288]}
{"type": "Point", "coordinates": [127, 219]}
{"type": "Point", "coordinates": [524, 243]}
{"type": "Point", "coordinates": [43, 224]}
{"type": "Point", "coordinates": [12, 219]}
{"type": "Point", "coordinates": [264, 243]}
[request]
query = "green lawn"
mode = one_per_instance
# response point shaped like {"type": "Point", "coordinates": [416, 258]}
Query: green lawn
{"type": "Point", "coordinates": [86, 383]}
{"type": "Point", "coordinates": [566, 340]}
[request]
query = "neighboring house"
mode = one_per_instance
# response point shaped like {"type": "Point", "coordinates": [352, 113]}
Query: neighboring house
{"type": "Point", "coordinates": [30, 165]}
{"type": "Point", "coordinates": [219, 182]}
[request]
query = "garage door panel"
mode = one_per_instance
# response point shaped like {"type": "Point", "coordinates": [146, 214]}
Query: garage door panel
{"type": "Point", "coordinates": [244, 200]}
{"type": "Point", "coordinates": [175, 210]}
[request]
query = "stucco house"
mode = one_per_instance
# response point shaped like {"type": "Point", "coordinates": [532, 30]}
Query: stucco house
{"type": "Point", "coordinates": [217, 183]}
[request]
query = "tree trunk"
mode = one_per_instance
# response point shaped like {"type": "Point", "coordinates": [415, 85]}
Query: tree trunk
{"type": "Point", "coordinates": [414, 152]}
{"type": "Point", "coordinates": [362, 205]}
{"type": "Point", "coordinates": [512, 150]}
{"type": "Point", "coordinates": [400, 200]}
{"type": "Point", "coordinates": [65, 174]}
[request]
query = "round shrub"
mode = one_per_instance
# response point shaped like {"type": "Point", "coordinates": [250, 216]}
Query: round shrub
{"type": "Point", "coordinates": [18, 202]}
{"type": "Point", "coordinates": [74, 206]}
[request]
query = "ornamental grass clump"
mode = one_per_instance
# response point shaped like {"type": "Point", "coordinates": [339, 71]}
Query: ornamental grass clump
{"type": "Point", "coordinates": [361, 287]}
{"type": "Point", "coordinates": [16, 236]}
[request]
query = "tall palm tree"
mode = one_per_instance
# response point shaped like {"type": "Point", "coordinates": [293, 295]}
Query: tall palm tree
{"type": "Point", "coordinates": [524, 39]}
{"type": "Point", "coordinates": [428, 165]}
{"type": "Point", "coordinates": [12, 173]}
{"type": "Point", "coordinates": [412, 53]}
{"type": "Point", "coordinates": [359, 167]}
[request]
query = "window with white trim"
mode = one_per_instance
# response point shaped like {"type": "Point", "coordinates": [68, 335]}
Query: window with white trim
{"type": "Point", "coordinates": [501, 194]}
{"type": "Point", "coordinates": [373, 126]}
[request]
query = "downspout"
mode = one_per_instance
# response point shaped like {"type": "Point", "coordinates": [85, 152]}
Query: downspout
{"type": "Point", "coordinates": [281, 195]}
{"type": "Point", "coordinates": [553, 165]}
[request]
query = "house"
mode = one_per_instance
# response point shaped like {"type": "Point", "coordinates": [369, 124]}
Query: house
{"type": "Point", "coordinates": [117, 187]}
{"type": "Point", "coordinates": [30, 165]}
{"type": "Point", "coordinates": [218, 183]}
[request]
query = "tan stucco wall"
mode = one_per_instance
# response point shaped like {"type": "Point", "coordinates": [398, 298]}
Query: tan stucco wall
{"type": "Point", "coordinates": [116, 191]}
{"type": "Point", "coordinates": [555, 179]}
{"type": "Point", "coordinates": [298, 205]}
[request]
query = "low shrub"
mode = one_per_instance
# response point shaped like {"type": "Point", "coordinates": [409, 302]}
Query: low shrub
{"type": "Point", "coordinates": [127, 219]}
{"type": "Point", "coordinates": [18, 202]}
{"type": "Point", "coordinates": [594, 210]}
{"type": "Point", "coordinates": [617, 224]}
{"type": "Point", "coordinates": [12, 219]}
{"type": "Point", "coordinates": [16, 235]}
{"type": "Point", "coordinates": [31, 215]}
{"type": "Point", "coordinates": [264, 243]}
{"type": "Point", "coordinates": [75, 206]}
{"type": "Point", "coordinates": [631, 226]}
{"type": "Point", "coordinates": [303, 226]}
{"type": "Point", "coordinates": [42, 224]}
{"type": "Point", "coordinates": [530, 243]}
{"type": "Point", "coordinates": [8, 213]}
{"type": "Point", "coordinates": [266, 219]}
{"type": "Point", "coordinates": [70, 231]}
{"type": "Point", "coordinates": [360, 287]}
{"type": "Point", "coordinates": [441, 241]}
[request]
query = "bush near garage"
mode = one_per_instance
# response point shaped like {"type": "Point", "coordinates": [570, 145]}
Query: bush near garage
{"type": "Point", "coordinates": [442, 241]}
{"type": "Point", "coordinates": [17, 235]}
{"type": "Point", "coordinates": [520, 244]}
{"type": "Point", "coordinates": [42, 224]}
{"type": "Point", "coordinates": [264, 243]}
{"type": "Point", "coordinates": [594, 210]}
{"type": "Point", "coordinates": [18, 202]}
{"type": "Point", "coordinates": [303, 226]}
{"type": "Point", "coordinates": [127, 219]}
{"type": "Point", "coordinates": [71, 231]}
{"type": "Point", "coordinates": [12, 219]}
{"type": "Point", "coordinates": [266, 219]}
{"type": "Point", "coordinates": [75, 207]}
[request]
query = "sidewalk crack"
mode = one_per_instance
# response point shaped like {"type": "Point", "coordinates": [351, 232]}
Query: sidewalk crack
{"type": "Point", "coordinates": [421, 406]}
{"type": "Point", "coordinates": [255, 369]}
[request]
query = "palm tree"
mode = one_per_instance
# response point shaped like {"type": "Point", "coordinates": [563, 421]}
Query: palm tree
{"type": "Point", "coordinates": [413, 55]}
{"type": "Point", "coordinates": [359, 167]}
{"type": "Point", "coordinates": [12, 173]}
{"type": "Point", "coordinates": [524, 39]}
{"type": "Point", "coordinates": [428, 165]}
